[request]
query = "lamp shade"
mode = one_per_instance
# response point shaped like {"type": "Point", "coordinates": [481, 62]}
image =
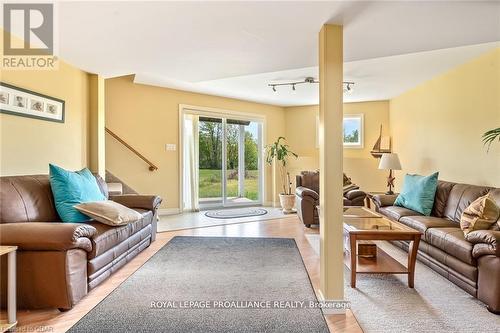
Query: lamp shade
{"type": "Point", "coordinates": [389, 162]}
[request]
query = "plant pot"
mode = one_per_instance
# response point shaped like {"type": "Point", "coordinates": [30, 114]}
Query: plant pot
{"type": "Point", "coordinates": [287, 202]}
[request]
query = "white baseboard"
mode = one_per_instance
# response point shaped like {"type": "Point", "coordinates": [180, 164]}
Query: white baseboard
{"type": "Point", "coordinates": [168, 211]}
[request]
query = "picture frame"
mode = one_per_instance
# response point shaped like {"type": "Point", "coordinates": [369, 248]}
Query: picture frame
{"type": "Point", "coordinates": [26, 103]}
{"type": "Point", "coordinates": [353, 131]}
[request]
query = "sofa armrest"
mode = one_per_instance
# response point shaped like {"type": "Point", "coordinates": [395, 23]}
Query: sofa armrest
{"type": "Point", "coordinates": [383, 200]}
{"type": "Point", "coordinates": [306, 192]}
{"type": "Point", "coordinates": [47, 236]}
{"type": "Point", "coordinates": [150, 202]}
{"type": "Point", "coordinates": [485, 241]}
{"type": "Point", "coordinates": [353, 194]}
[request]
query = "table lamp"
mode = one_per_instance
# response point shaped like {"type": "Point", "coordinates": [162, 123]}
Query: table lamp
{"type": "Point", "coordinates": [390, 161]}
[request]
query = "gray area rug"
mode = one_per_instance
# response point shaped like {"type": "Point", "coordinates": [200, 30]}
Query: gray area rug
{"type": "Point", "coordinates": [235, 213]}
{"type": "Point", "coordinates": [211, 269]}
{"type": "Point", "coordinates": [384, 303]}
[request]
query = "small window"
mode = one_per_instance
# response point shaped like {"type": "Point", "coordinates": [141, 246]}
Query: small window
{"type": "Point", "coordinates": [353, 131]}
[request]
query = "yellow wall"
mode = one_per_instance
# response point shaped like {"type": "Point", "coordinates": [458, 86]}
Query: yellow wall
{"type": "Point", "coordinates": [358, 163]}
{"type": "Point", "coordinates": [147, 118]}
{"type": "Point", "coordinates": [437, 126]}
{"type": "Point", "coordinates": [27, 146]}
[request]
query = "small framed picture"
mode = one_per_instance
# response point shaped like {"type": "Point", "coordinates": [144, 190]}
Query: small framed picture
{"type": "Point", "coordinates": [51, 108]}
{"type": "Point", "coordinates": [4, 97]}
{"type": "Point", "coordinates": [26, 103]}
{"type": "Point", "coordinates": [36, 105]}
{"type": "Point", "coordinates": [20, 101]}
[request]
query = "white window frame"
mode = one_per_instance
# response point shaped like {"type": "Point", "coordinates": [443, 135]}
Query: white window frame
{"type": "Point", "coordinates": [360, 144]}
{"type": "Point", "coordinates": [222, 113]}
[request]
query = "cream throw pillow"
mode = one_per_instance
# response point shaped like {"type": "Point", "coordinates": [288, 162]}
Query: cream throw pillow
{"type": "Point", "coordinates": [481, 214]}
{"type": "Point", "coordinates": [108, 212]}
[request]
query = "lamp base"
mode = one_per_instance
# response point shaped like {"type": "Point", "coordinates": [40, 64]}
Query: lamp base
{"type": "Point", "coordinates": [389, 192]}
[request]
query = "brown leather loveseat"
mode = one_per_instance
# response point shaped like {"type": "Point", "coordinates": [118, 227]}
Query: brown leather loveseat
{"type": "Point", "coordinates": [59, 263]}
{"type": "Point", "coordinates": [471, 262]}
{"type": "Point", "coordinates": [307, 197]}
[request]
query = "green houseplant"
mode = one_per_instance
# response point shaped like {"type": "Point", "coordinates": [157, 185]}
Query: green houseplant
{"type": "Point", "coordinates": [490, 136]}
{"type": "Point", "coordinates": [280, 152]}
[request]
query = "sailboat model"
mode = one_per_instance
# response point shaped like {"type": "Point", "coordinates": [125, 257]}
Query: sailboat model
{"type": "Point", "coordinates": [383, 145]}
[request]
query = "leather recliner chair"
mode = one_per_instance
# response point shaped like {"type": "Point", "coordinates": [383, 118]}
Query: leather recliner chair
{"type": "Point", "coordinates": [307, 197]}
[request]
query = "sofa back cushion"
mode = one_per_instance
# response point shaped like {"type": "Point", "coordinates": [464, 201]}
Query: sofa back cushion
{"type": "Point", "coordinates": [29, 199]}
{"type": "Point", "coordinates": [442, 193]}
{"type": "Point", "coordinates": [308, 179]}
{"type": "Point", "coordinates": [460, 197]}
{"type": "Point", "coordinates": [26, 198]}
{"type": "Point", "coordinates": [495, 195]}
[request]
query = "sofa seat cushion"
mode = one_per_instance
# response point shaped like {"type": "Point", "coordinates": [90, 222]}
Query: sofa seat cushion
{"type": "Point", "coordinates": [107, 236]}
{"type": "Point", "coordinates": [451, 241]}
{"type": "Point", "coordinates": [395, 212]}
{"type": "Point", "coordinates": [423, 223]}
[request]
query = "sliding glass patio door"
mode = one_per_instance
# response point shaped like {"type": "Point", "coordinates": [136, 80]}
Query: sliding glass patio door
{"type": "Point", "coordinates": [242, 176]}
{"type": "Point", "coordinates": [210, 152]}
{"type": "Point", "coordinates": [230, 162]}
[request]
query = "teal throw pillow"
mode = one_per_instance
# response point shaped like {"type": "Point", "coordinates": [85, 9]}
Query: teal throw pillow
{"type": "Point", "coordinates": [418, 193]}
{"type": "Point", "coordinates": [72, 188]}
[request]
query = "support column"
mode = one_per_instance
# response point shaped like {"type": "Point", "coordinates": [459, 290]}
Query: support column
{"type": "Point", "coordinates": [97, 133]}
{"type": "Point", "coordinates": [331, 155]}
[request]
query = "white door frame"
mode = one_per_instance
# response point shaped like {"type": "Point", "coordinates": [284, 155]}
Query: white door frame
{"type": "Point", "coordinates": [222, 113]}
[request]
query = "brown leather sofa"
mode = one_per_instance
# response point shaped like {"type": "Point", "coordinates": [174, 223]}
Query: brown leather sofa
{"type": "Point", "coordinates": [59, 263]}
{"type": "Point", "coordinates": [307, 197]}
{"type": "Point", "coordinates": [471, 262]}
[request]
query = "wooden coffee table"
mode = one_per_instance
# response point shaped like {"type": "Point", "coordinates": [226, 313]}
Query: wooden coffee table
{"type": "Point", "coordinates": [375, 227]}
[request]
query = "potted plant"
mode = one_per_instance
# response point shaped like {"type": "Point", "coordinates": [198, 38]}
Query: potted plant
{"type": "Point", "coordinates": [491, 136]}
{"type": "Point", "coordinates": [281, 152]}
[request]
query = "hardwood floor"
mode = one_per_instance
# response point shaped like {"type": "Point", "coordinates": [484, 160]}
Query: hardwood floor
{"type": "Point", "coordinates": [55, 321]}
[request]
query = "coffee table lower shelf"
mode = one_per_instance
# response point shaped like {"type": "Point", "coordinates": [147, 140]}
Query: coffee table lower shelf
{"type": "Point", "coordinates": [382, 264]}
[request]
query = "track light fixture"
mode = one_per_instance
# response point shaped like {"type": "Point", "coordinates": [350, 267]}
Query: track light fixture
{"type": "Point", "coordinates": [347, 85]}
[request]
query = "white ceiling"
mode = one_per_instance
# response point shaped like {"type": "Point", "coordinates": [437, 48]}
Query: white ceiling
{"type": "Point", "coordinates": [375, 79]}
{"type": "Point", "coordinates": [225, 47]}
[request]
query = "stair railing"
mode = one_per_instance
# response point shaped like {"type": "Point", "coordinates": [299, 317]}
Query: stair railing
{"type": "Point", "coordinates": [152, 167]}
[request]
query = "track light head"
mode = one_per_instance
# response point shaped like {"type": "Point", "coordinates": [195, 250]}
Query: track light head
{"type": "Point", "coordinates": [293, 87]}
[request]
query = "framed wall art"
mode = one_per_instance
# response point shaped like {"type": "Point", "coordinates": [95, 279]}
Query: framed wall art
{"type": "Point", "coordinates": [22, 102]}
{"type": "Point", "coordinates": [353, 130]}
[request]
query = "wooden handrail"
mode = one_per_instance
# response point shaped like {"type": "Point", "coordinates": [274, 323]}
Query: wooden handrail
{"type": "Point", "coordinates": [152, 167]}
